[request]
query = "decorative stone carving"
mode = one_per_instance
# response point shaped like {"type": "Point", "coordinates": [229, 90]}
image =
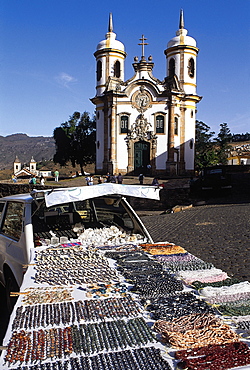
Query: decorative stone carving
{"type": "Point", "coordinates": [140, 131]}
{"type": "Point", "coordinates": [141, 100]}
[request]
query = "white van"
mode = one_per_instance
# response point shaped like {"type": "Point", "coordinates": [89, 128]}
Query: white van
{"type": "Point", "coordinates": [26, 220]}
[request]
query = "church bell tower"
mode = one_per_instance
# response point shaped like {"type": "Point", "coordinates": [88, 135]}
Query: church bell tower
{"type": "Point", "coordinates": [110, 57]}
{"type": "Point", "coordinates": [181, 55]}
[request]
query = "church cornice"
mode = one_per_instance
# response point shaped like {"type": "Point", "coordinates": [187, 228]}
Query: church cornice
{"type": "Point", "coordinates": [148, 84]}
{"type": "Point", "coordinates": [193, 98]}
{"type": "Point", "coordinates": [181, 47]}
{"type": "Point", "coordinates": [172, 53]}
{"type": "Point", "coordinates": [106, 51]}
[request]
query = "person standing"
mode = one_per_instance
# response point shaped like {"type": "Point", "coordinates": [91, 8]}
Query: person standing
{"type": "Point", "coordinates": [42, 180]}
{"type": "Point", "coordinates": [155, 181]}
{"type": "Point", "coordinates": [141, 178]}
{"type": "Point", "coordinates": [56, 175]}
{"type": "Point", "coordinates": [119, 178]}
{"type": "Point", "coordinates": [148, 168]}
{"type": "Point", "coordinates": [89, 180]}
{"type": "Point", "coordinates": [100, 180]}
{"type": "Point", "coordinates": [108, 177]}
{"type": "Point", "coordinates": [113, 179]}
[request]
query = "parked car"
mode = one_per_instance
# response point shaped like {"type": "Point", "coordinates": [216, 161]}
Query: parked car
{"type": "Point", "coordinates": [214, 178]}
{"type": "Point", "coordinates": [25, 220]}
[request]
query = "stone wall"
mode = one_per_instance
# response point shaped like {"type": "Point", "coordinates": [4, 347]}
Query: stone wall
{"type": "Point", "coordinates": [11, 189]}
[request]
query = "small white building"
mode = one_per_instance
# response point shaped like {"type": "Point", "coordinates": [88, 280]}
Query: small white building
{"type": "Point", "coordinates": [145, 122]}
{"type": "Point", "coordinates": [27, 171]}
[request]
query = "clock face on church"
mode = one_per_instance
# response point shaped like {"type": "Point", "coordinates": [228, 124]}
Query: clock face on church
{"type": "Point", "coordinates": [141, 100]}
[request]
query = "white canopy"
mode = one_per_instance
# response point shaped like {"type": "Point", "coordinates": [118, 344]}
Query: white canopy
{"type": "Point", "coordinates": [66, 195]}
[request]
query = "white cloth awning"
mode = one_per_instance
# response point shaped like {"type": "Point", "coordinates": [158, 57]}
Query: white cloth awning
{"type": "Point", "coordinates": [66, 195]}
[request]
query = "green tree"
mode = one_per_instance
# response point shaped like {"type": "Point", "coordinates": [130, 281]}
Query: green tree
{"type": "Point", "coordinates": [75, 141]}
{"type": "Point", "coordinates": [205, 153]}
{"type": "Point", "coordinates": [222, 143]}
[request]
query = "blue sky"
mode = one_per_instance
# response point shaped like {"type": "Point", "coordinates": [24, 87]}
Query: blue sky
{"type": "Point", "coordinates": [47, 67]}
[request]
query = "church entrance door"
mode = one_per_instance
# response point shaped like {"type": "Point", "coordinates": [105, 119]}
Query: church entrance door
{"type": "Point", "coordinates": [141, 156]}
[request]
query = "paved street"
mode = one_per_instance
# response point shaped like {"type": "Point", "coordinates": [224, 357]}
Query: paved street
{"type": "Point", "coordinates": [217, 233]}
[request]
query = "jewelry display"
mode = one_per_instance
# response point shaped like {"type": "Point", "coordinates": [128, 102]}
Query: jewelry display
{"type": "Point", "coordinates": [177, 305]}
{"type": "Point", "coordinates": [72, 266]}
{"type": "Point", "coordinates": [147, 358]}
{"type": "Point", "coordinates": [156, 286]}
{"type": "Point", "coordinates": [214, 357]}
{"type": "Point", "coordinates": [69, 312]}
{"type": "Point", "coordinates": [60, 328]}
{"type": "Point", "coordinates": [203, 337]}
{"type": "Point", "coordinates": [46, 295]}
{"type": "Point", "coordinates": [180, 257]}
{"type": "Point", "coordinates": [140, 266]}
{"type": "Point", "coordinates": [243, 287]}
{"type": "Point", "coordinates": [106, 290]}
{"type": "Point", "coordinates": [229, 281]}
{"type": "Point", "coordinates": [228, 298]}
{"type": "Point", "coordinates": [159, 249]}
{"type": "Point", "coordinates": [128, 256]}
{"type": "Point", "coordinates": [124, 248]}
{"type": "Point", "coordinates": [192, 265]}
{"type": "Point", "coordinates": [210, 275]}
{"type": "Point", "coordinates": [243, 325]}
{"type": "Point", "coordinates": [228, 309]}
{"type": "Point", "coordinates": [190, 322]}
{"type": "Point", "coordinates": [84, 339]}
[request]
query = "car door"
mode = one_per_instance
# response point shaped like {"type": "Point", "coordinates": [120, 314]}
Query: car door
{"type": "Point", "coordinates": [12, 241]}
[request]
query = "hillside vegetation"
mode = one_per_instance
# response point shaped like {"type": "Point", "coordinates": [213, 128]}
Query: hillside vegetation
{"type": "Point", "coordinates": [21, 145]}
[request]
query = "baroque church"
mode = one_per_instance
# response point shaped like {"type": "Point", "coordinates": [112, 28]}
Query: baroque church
{"type": "Point", "coordinates": [145, 123]}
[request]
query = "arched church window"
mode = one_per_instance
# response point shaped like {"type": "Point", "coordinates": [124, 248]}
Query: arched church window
{"type": "Point", "coordinates": [171, 68]}
{"type": "Point", "coordinates": [159, 124]}
{"type": "Point", "coordinates": [117, 69]}
{"type": "Point", "coordinates": [124, 124]}
{"type": "Point", "coordinates": [99, 70]}
{"type": "Point", "coordinates": [191, 144]}
{"type": "Point", "coordinates": [191, 67]}
{"type": "Point", "coordinates": [176, 124]}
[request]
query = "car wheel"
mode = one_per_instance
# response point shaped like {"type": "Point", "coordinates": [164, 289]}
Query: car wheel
{"type": "Point", "coordinates": [10, 286]}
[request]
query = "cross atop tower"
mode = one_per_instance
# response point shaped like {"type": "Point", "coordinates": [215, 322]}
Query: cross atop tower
{"type": "Point", "coordinates": [143, 43]}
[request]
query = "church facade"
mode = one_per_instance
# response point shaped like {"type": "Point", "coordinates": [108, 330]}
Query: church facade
{"type": "Point", "coordinates": [145, 124]}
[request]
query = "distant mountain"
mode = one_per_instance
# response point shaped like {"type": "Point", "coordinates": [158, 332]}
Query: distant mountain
{"type": "Point", "coordinates": [24, 146]}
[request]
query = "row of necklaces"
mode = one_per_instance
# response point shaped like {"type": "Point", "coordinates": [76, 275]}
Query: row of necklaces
{"type": "Point", "coordinates": [179, 293]}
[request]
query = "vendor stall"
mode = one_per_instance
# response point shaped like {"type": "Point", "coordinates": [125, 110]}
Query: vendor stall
{"type": "Point", "coordinates": [136, 305]}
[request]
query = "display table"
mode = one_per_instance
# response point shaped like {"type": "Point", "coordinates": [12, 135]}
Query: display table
{"type": "Point", "coordinates": [129, 306]}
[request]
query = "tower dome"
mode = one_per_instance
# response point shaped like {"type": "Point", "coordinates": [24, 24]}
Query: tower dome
{"type": "Point", "coordinates": [181, 37]}
{"type": "Point", "coordinates": [32, 160]}
{"type": "Point", "coordinates": [110, 42]}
